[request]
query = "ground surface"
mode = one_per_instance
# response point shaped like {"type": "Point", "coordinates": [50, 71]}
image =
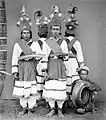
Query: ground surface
{"type": "Point", "coordinates": [9, 111]}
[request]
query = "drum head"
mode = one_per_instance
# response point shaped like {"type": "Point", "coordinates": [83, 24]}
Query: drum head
{"type": "Point", "coordinates": [80, 94]}
{"type": "Point", "coordinates": [83, 97]}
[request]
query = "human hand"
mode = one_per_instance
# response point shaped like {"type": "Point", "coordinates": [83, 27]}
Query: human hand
{"type": "Point", "coordinates": [16, 75]}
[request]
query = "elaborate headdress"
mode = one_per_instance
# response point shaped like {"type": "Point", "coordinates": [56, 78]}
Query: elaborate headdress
{"type": "Point", "coordinates": [56, 17]}
{"type": "Point", "coordinates": [24, 22]}
{"type": "Point", "coordinates": [41, 21]}
{"type": "Point", "coordinates": [71, 23]}
{"type": "Point", "coordinates": [55, 11]}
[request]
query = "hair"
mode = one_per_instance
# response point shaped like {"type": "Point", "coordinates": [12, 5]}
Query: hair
{"type": "Point", "coordinates": [69, 34]}
{"type": "Point", "coordinates": [84, 70]}
{"type": "Point", "coordinates": [58, 26]}
{"type": "Point", "coordinates": [42, 34]}
{"type": "Point", "coordinates": [22, 33]}
{"type": "Point", "coordinates": [54, 25]}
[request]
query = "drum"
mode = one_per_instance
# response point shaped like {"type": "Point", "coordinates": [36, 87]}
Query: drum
{"type": "Point", "coordinates": [80, 93]}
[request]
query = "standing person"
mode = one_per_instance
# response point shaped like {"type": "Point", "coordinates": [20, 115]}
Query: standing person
{"type": "Point", "coordinates": [74, 47]}
{"type": "Point", "coordinates": [55, 86]}
{"type": "Point", "coordinates": [24, 68]}
{"type": "Point", "coordinates": [42, 25]}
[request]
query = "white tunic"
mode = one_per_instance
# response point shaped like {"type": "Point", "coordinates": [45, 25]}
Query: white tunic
{"type": "Point", "coordinates": [16, 54]}
{"type": "Point", "coordinates": [73, 64]}
{"type": "Point", "coordinates": [54, 89]}
{"type": "Point", "coordinates": [22, 88]}
{"type": "Point", "coordinates": [40, 80]}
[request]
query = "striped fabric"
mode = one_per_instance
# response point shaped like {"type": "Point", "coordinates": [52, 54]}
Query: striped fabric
{"type": "Point", "coordinates": [24, 88]}
{"type": "Point", "coordinates": [72, 66]}
{"type": "Point", "coordinates": [55, 89]}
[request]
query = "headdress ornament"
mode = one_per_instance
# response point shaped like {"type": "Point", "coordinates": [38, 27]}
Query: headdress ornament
{"type": "Point", "coordinates": [56, 17]}
{"type": "Point", "coordinates": [41, 21]}
{"type": "Point", "coordinates": [72, 22]}
{"type": "Point", "coordinates": [24, 22]}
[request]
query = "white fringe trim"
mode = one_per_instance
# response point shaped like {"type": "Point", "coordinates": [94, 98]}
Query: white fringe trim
{"type": "Point", "coordinates": [57, 95]}
{"type": "Point", "coordinates": [24, 88]}
{"type": "Point", "coordinates": [55, 84]}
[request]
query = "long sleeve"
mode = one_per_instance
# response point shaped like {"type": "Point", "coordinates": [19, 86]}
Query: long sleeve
{"type": "Point", "coordinates": [35, 47]}
{"type": "Point", "coordinates": [16, 53]}
{"type": "Point", "coordinates": [80, 57]}
{"type": "Point", "coordinates": [46, 51]}
{"type": "Point", "coordinates": [64, 47]}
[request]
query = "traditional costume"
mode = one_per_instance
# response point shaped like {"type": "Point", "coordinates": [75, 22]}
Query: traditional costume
{"type": "Point", "coordinates": [74, 47]}
{"type": "Point", "coordinates": [25, 86]}
{"type": "Point", "coordinates": [73, 64]}
{"type": "Point", "coordinates": [56, 69]}
{"type": "Point", "coordinates": [42, 25]}
{"type": "Point", "coordinates": [55, 84]}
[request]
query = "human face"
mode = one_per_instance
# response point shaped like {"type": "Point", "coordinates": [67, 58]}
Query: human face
{"type": "Point", "coordinates": [26, 35]}
{"type": "Point", "coordinates": [55, 31]}
{"type": "Point", "coordinates": [83, 74]}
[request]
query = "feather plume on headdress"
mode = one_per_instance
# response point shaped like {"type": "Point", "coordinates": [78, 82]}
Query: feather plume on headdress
{"type": "Point", "coordinates": [56, 17]}
{"type": "Point", "coordinates": [41, 21]}
{"type": "Point", "coordinates": [71, 23]}
{"type": "Point", "coordinates": [24, 22]}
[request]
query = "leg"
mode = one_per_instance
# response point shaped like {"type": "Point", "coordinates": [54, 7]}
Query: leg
{"type": "Point", "coordinates": [60, 105]}
{"type": "Point", "coordinates": [52, 112]}
{"type": "Point", "coordinates": [40, 80]}
{"type": "Point", "coordinates": [68, 88]}
{"type": "Point", "coordinates": [32, 101]}
{"type": "Point", "coordinates": [69, 98]}
{"type": "Point", "coordinates": [40, 94]}
{"type": "Point", "coordinates": [23, 103]}
{"type": "Point", "coordinates": [31, 105]}
{"type": "Point", "coordinates": [39, 89]}
{"type": "Point", "coordinates": [80, 110]}
{"type": "Point", "coordinates": [92, 101]}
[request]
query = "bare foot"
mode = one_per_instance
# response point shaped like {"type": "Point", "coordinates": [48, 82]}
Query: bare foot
{"type": "Point", "coordinates": [80, 110]}
{"type": "Point", "coordinates": [95, 109]}
{"type": "Point", "coordinates": [24, 111]}
{"type": "Point", "coordinates": [60, 114]}
{"type": "Point", "coordinates": [30, 113]}
{"type": "Point", "coordinates": [51, 113]}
